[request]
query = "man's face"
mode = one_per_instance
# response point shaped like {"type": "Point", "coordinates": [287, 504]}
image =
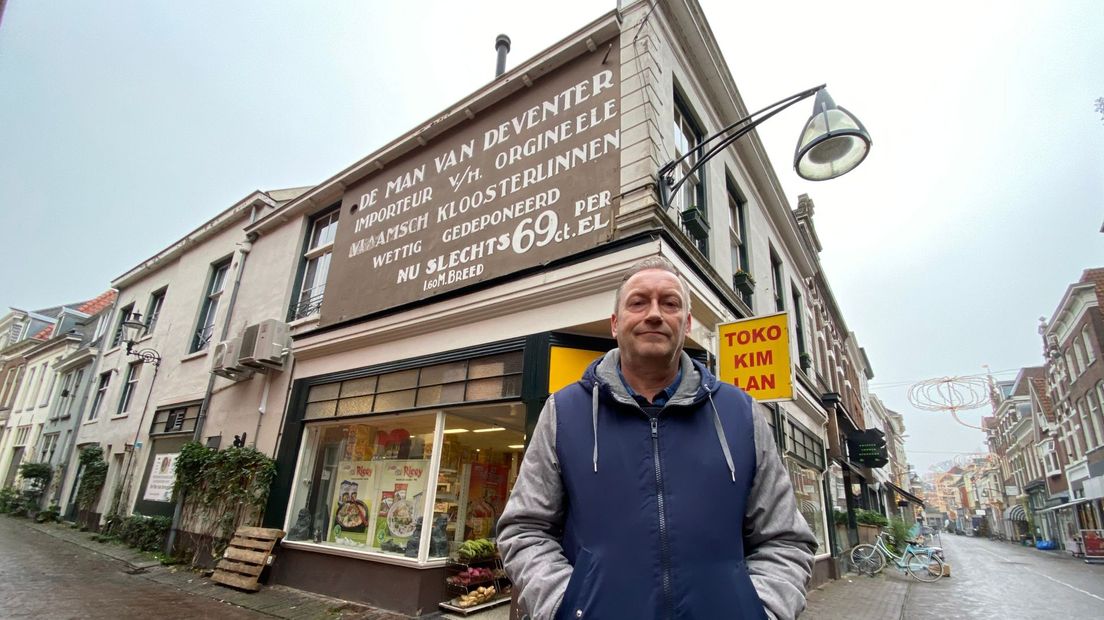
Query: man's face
{"type": "Point", "coordinates": [652, 319]}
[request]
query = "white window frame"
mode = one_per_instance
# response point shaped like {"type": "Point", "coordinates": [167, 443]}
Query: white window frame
{"type": "Point", "coordinates": [205, 327]}
{"type": "Point", "coordinates": [153, 309]}
{"type": "Point", "coordinates": [1086, 337]}
{"type": "Point", "coordinates": [130, 385]}
{"type": "Point", "coordinates": [319, 254]}
{"type": "Point", "coordinates": [102, 385]}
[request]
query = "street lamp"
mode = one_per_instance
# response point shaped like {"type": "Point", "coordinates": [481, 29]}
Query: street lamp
{"type": "Point", "coordinates": [833, 143]}
{"type": "Point", "coordinates": [132, 326]}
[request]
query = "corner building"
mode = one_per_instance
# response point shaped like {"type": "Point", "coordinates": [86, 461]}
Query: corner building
{"type": "Point", "coordinates": [453, 279]}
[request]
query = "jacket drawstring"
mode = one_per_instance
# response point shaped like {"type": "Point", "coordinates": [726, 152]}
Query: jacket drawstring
{"type": "Point", "coordinates": [716, 425]}
{"type": "Point", "coordinates": [594, 416]}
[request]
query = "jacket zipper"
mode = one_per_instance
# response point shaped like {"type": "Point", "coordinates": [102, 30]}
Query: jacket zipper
{"type": "Point", "coordinates": [664, 550]}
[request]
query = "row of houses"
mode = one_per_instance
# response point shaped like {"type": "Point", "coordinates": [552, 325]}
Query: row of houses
{"type": "Point", "coordinates": [390, 334]}
{"type": "Point", "coordinates": [1043, 478]}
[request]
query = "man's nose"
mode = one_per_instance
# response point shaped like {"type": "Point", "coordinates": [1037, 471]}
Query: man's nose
{"type": "Point", "coordinates": [653, 311]}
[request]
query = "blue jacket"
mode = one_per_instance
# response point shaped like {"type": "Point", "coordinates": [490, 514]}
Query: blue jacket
{"type": "Point", "coordinates": [622, 514]}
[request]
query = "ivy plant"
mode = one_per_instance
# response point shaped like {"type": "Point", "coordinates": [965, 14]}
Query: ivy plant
{"type": "Point", "coordinates": [93, 476]}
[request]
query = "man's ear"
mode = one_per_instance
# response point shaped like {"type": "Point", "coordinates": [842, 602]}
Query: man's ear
{"type": "Point", "coordinates": [689, 320]}
{"type": "Point", "coordinates": [613, 325]}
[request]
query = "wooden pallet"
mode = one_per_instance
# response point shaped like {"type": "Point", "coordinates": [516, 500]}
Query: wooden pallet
{"type": "Point", "coordinates": [246, 556]}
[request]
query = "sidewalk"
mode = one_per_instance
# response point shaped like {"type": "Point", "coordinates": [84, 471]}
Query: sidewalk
{"type": "Point", "coordinates": [858, 597]}
{"type": "Point", "coordinates": [274, 601]}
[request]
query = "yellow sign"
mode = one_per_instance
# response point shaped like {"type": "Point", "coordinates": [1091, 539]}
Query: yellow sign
{"type": "Point", "coordinates": [754, 354]}
{"type": "Point", "coordinates": [566, 366]}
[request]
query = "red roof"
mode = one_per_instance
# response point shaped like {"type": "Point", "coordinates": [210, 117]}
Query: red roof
{"type": "Point", "coordinates": [96, 304]}
{"type": "Point", "coordinates": [44, 334]}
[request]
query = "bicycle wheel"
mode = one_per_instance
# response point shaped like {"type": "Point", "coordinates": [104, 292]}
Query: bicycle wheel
{"type": "Point", "coordinates": [867, 559]}
{"type": "Point", "coordinates": [924, 567]}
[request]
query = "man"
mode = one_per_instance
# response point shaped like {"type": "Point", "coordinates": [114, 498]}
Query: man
{"type": "Point", "coordinates": [650, 489]}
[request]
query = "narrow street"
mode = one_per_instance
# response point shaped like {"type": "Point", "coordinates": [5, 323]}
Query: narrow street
{"type": "Point", "coordinates": [1001, 580]}
{"type": "Point", "coordinates": [44, 577]}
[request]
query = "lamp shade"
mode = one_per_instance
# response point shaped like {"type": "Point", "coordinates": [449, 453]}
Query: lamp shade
{"type": "Point", "coordinates": [833, 143]}
{"type": "Point", "coordinates": [132, 326]}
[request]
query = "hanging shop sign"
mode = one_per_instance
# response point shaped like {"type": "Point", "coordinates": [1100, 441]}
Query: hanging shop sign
{"type": "Point", "coordinates": [531, 179]}
{"type": "Point", "coordinates": [754, 354]}
{"type": "Point", "coordinates": [868, 447]}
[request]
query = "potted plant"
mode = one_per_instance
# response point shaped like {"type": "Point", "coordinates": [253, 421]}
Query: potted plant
{"type": "Point", "coordinates": [743, 282]}
{"type": "Point", "coordinates": [693, 219]}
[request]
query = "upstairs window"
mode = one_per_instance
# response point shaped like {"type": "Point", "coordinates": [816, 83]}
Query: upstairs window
{"type": "Point", "coordinates": [101, 393]}
{"type": "Point", "coordinates": [737, 232]}
{"type": "Point", "coordinates": [129, 387]}
{"type": "Point", "coordinates": [316, 264]}
{"type": "Point", "coordinates": [205, 328]}
{"type": "Point", "coordinates": [687, 137]}
{"type": "Point", "coordinates": [1086, 337]}
{"type": "Point", "coordinates": [776, 281]}
{"type": "Point", "coordinates": [153, 310]}
{"type": "Point", "coordinates": [124, 314]}
{"type": "Point", "coordinates": [799, 322]}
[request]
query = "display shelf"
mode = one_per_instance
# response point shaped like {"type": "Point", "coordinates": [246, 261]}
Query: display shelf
{"type": "Point", "coordinates": [452, 605]}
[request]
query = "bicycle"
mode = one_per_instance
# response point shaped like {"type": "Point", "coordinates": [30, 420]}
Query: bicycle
{"type": "Point", "coordinates": [920, 563]}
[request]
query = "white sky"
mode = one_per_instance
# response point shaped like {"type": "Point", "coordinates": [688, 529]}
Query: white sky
{"type": "Point", "coordinates": [127, 124]}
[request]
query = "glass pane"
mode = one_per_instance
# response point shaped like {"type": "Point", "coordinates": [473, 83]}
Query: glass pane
{"type": "Point", "coordinates": [323, 392]}
{"type": "Point", "coordinates": [495, 365]}
{"type": "Point", "coordinates": [806, 485]}
{"type": "Point", "coordinates": [439, 394]}
{"type": "Point", "coordinates": [485, 389]}
{"type": "Point", "coordinates": [364, 485]}
{"type": "Point", "coordinates": [358, 387]}
{"type": "Point", "coordinates": [398, 380]}
{"type": "Point", "coordinates": [478, 471]}
{"type": "Point", "coordinates": [324, 409]}
{"type": "Point", "coordinates": [390, 401]}
{"type": "Point", "coordinates": [355, 405]}
{"type": "Point", "coordinates": [444, 373]}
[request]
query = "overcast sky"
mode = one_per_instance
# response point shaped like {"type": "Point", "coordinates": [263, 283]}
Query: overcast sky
{"type": "Point", "coordinates": [127, 124]}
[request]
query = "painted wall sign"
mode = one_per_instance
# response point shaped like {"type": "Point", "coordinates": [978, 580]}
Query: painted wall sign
{"type": "Point", "coordinates": [754, 354]}
{"type": "Point", "coordinates": [529, 180]}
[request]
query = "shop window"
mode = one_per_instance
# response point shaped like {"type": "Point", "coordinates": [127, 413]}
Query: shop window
{"type": "Point", "coordinates": [364, 484]}
{"type": "Point", "coordinates": [367, 484]}
{"type": "Point", "coordinates": [810, 500]}
{"type": "Point", "coordinates": [804, 445]}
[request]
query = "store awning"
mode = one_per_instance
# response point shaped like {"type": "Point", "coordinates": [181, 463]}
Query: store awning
{"type": "Point", "coordinates": [905, 494]}
{"type": "Point", "coordinates": [1065, 505]}
{"type": "Point", "coordinates": [1015, 512]}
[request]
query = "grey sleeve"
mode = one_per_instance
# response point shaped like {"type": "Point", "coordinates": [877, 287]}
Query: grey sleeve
{"type": "Point", "coordinates": [780, 545]}
{"type": "Point", "coordinates": [531, 525]}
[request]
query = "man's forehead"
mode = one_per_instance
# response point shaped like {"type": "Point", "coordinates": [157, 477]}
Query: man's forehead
{"type": "Point", "coordinates": [669, 279]}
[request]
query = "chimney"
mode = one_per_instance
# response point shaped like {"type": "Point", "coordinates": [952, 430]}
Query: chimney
{"type": "Point", "coordinates": [502, 45]}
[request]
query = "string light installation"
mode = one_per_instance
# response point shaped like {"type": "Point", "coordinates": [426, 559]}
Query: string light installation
{"type": "Point", "coordinates": [951, 394]}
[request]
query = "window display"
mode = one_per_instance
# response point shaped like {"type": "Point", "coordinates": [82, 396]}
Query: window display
{"type": "Point", "coordinates": [810, 500]}
{"type": "Point", "coordinates": [364, 485]}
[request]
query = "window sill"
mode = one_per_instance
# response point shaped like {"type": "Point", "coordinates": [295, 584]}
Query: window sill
{"type": "Point", "coordinates": [371, 556]}
{"type": "Point", "coordinates": [120, 416]}
{"type": "Point", "coordinates": [92, 421]}
{"type": "Point", "coordinates": [307, 320]}
{"type": "Point", "coordinates": [194, 356]}
{"type": "Point", "coordinates": [112, 349]}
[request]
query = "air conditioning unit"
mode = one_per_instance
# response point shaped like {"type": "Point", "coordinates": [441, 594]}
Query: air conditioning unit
{"type": "Point", "coordinates": [225, 363]}
{"type": "Point", "coordinates": [264, 345]}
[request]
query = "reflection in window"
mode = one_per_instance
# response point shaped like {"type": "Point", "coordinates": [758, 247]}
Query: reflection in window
{"type": "Point", "coordinates": [810, 503]}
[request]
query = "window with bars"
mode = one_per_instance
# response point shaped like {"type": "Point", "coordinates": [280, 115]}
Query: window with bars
{"type": "Point", "coordinates": [478, 379]}
{"type": "Point", "coordinates": [205, 328]}
{"type": "Point", "coordinates": [316, 264]}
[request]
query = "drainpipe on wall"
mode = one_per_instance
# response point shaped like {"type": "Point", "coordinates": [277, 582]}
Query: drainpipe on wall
{"type": "Point", "coordinates": [198, 433]}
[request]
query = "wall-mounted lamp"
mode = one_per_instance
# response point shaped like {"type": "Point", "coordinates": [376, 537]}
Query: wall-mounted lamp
{"type": "Point", "coordinates": [132, 327]}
